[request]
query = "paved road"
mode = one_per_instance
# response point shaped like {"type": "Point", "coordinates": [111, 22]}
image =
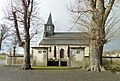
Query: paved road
{"type": "Point", "coordinates": [2, 62]}
{"type": "Point", "coordinates": [16, 74]}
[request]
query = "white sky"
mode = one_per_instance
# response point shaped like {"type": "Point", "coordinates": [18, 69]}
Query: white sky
{"type": "Point", "coordinates": [58, 8]}
{"type": "Point", "coordinates": [60, 15]}
{"type": "Point", "coordinates": [2, 2]}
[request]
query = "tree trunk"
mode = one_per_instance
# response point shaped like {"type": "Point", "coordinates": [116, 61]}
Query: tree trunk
{"type": "Point", "coordinates": [100, 54]}
{"type": "Point", "coordinates": [96, 57]}
{"type": "Point", "coordinates": [98, 11]}
{"type": "Point", "coordinates": [26, 61]}
{"type": "Point", "coordinates": [0, 45]}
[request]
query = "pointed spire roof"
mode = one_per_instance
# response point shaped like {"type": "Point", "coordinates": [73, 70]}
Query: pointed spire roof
{"type": "Point", "coordinates": [49, 19]}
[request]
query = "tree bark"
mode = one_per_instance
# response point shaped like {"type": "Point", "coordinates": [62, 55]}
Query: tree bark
{"type": "Point", "coordinates": [0, 45]}
{"type": "Point", "coordinates": [26, 62]}
{"type": "Point", "coordinates": [96, 57]}
{"type": "Point", "coordinates": [97, 41]}
{"type": "Point", "coordinates": [25, 44]}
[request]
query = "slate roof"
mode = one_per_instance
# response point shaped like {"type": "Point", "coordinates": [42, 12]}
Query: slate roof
{"type": "Point", "coordinates": [66, 38]}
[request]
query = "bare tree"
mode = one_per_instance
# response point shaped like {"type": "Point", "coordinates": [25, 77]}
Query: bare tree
{"type": "Point", "coordinates": [94, 15]}
{"type": "Point", "coordinates": [3, 33]}
{"type": "Point", "coordinates": [24, 15]}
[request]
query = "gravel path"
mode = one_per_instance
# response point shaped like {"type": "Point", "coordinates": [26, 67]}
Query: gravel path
{"type": "Point", "coordinates": [16, 74]}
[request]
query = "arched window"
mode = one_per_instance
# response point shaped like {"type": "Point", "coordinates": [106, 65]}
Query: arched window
{"type": "Point", "coordinates": [62, 53]}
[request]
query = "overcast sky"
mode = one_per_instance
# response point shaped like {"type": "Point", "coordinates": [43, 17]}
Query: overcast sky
{"type": "Point", "coordinates": [60, 15]}
{"type": "Point", "coordinates": [2, 2]}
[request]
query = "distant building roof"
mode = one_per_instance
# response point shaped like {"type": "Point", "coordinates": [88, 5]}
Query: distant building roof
{"type": "Point", "coordinates": [66, 38]}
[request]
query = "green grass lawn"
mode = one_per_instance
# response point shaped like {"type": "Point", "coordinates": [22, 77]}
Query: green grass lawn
{"type": "Point", "coordinates": [51, 67]}
{"type": "Point", "coordinates": [2, 57]}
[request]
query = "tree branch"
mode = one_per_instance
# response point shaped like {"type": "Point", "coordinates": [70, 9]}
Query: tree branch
{"type": "Point", "coordinates": [33, 34]}
{"type": "Point", "coordinates": [108, 9]}
{"type": "Point", "coordinates": [29, 13]}
{"type": "Point", "coordinates": [17, 30]}
{"type": "Point", "coordinates": [83, 11]}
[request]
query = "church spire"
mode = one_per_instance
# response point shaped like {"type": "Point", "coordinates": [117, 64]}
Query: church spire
{"type": "Point", "coordinates": [49, 27]}
{"type": "Point", "coordinates": [49, 19]}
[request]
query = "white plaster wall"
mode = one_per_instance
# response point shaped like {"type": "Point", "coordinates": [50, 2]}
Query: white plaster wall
{"type": "Point", "coordinates": [87, 51]}
{"type": "Point", "coordinates": [40, 58]}
{"type": "Point", "coordinates": [58, 47]}
{"type": "Point", "coordinates": [65, 47]}
{"type": "Point", "coordinates": [50, 54]}
{"type": "Point", "coordinates": [77, 56]}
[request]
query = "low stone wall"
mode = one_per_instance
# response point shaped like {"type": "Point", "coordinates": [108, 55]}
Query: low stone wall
{"type": "Point", "coordinates": [14, 60]}
{"type": "Point", "coordinates": [108, 62]}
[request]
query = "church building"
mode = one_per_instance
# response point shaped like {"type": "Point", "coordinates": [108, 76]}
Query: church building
{"type": "Point", "coordinates": [60, 48]}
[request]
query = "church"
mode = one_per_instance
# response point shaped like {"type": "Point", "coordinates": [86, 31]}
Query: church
{"type": "Point", "coordinates": [60, 48]}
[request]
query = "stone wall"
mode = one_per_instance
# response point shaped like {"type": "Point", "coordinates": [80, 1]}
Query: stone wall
{"type": "Point", "coordinates": [14, 60]}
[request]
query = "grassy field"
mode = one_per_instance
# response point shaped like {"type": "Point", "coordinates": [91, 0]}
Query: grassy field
{"type": "Point", "coordinates": [51, 67]}
{"type": "Point", "coordinates": [2, 57]}
{"type": "Point", "coordinates": [113, 65]}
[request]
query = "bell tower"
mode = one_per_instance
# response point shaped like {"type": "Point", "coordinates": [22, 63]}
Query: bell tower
{"type": "Point", "coordinates": [49, 27]}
